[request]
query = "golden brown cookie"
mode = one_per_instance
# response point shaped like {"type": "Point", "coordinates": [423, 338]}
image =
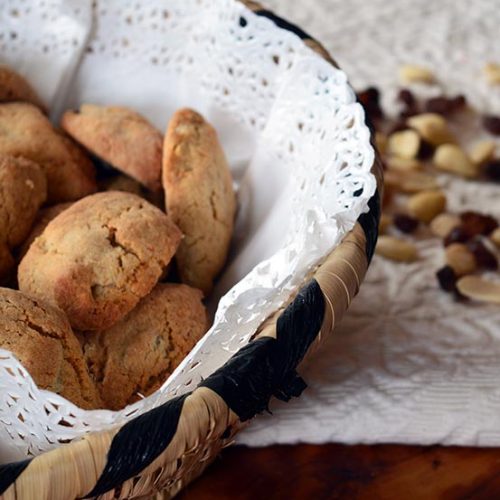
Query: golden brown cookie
{"type": "Point", "coordinates": [13, 87]}
{"type": "Point", "coordinates": [42, 340]}
{"type": "Point", "coordinates": [121, 137]}
{"type": "Point", "coordinates": [99, 257]}
{"type": "Point", "coordinates": [137, 354]}
{"type": "Point", "coordinates": [44, 216]}
{"type": "Point", "coordinates": [199, 197]}
{"type": "Point", "coordinates": [26, 132]}
{"type": "Point", "coordinates": [23, 189]}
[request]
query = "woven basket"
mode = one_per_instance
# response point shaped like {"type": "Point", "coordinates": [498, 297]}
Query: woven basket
{"type": "Point", "coordinates": [166, 448]}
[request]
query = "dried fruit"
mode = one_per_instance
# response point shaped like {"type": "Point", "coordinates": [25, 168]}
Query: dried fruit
{"type": "Point", "coordinates": [443, 224]}
{"type": "Point", "coordinates": [370, 99]}
{"type": "Point", "coordinates": [447, 279]}
{"type": "Point", "coordinates": [460, 259]}
{"type": "Point", "coordinates": [456, 235]}
{"type": "Point", "coordinates": [492, 124]}
{"type": "Point", "coordinates": [482, 152]}
{"type": "Point", "coordinates": [484, 258]}
{"type": "Point", "coordinates": [426, 205]}
{"type": "Point", "coordinates": [407, 98]}
{"type": "Point", "coordinates": [492, 73]}
{"type": "Point", "coordinates": [432, 127]}
{"type": "Point", "coordinates": [426, 150]}
{"type": "Point", "coordinates": [403, 164]}
{"type": "Point", "coordinates": [404, 144]}
{"type": "Point", "coordinates": [405, 223]}
{"type": "Point", "coordinates": [396, 249]}
{"type": "Point", "coordinates": [411, 73]}
{"type": "Point", "coordinates": [381, 142]}
{"type": "Point", "coordinates": [410, 182]}
{"type": "Point", "coordinates": [475, 223]}
{"type": "Point", "coordinates": [445, 105]}
{"type": "Point", "coordinates": [492, 170]}
{"type": "Point", "coordinates": [451, 158]}
{"type": "Point", "coordinates": [385, 222]}
{"type": "Point", "coordinates": [495, 237]}
{"type": "Point", "coordinates": [477, 288]}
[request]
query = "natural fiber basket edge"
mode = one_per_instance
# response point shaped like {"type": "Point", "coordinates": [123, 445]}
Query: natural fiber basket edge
{"type": "Point", "coordinates": [166, 448]}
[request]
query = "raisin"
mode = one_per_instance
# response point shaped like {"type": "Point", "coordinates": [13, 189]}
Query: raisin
{"type": "Point", "coordinates": [492, 124]}
{"type": "Point", "coordinates": [444, 105]}
{"type": "Point", "coordinates": [447, 279]}
{"type": "Point", "coordinates": [492, 170]}
{"type": "Point", "coordinates": [405, 223]}
{"type": "Point", "coordinates": [426, 150]}
{"type": "Point", "coordinates": [407, 98]}
{"type": "Point", "coordinates": [456, 235]}
{"type": "Point", "coordinates": [475, 223]}
{"type": "Point", "coordinates": [370, 99]}
{"type": "Point", "coordinates": [484, 258]}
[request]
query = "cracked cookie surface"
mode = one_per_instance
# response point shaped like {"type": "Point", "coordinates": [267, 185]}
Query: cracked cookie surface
{"type": "Point", "coordinates": [99, 257]}
{"type": "Point", "coordinates": [26, 132]}
{"type": "Point", "coordinates": [23, 189]}
{"type": "Point", "coordinates": [137, 354]}
{"type": "Point", "coordinates": [121, 137]}
{"type": "Point", "coordinates": [42, 340]}
{"type": "Point", "coordinates": [199, 197]}
{"type": "Point", "coordinates": [13, 87]}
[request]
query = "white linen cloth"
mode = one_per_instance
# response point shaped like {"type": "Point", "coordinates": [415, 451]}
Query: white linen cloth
{"type": "Point", "coordinates": [407, 364]}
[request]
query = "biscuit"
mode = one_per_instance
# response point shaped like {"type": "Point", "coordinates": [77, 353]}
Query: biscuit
{"type": "Point", "coordinates": [44, 216]}
{"type": "Point", "coordinates": [13, 87]}
{"type": "Point", "coordinates": [26, 132]}
{"type": "Point", "coordinates": [99, 257]}
{"type": "Point", "coordinates": [121, 137]}
{"type": "Point", "coordinates": [199, 197]}
{"type": "Point", "coordinates": [42, 340]}
{"type": "Point", "coordinates": [23, 189]}
{"type": "Point", "coordinates": [137, 354]}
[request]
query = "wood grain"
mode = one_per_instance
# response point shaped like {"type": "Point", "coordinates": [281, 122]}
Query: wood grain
{"type": "Point", "coordinates": [350, 472]}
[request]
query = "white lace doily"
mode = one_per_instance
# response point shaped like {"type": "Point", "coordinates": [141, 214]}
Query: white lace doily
{"type": "Point", "coordinates": [407, 365]}
{"type": "Point", "coordinates": [294, 136]}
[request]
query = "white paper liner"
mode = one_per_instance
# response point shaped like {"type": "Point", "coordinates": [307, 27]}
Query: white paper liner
{"type": "Point", "coordinates": [288, 121]}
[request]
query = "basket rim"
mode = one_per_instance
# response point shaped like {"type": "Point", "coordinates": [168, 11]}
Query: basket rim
{"type": "Point", "coordinates": [118, 459]}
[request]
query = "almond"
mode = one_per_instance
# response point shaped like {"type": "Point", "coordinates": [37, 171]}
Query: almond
{"type": "Point", "coordinates": [404, 144]}
{"type": "Point", "coordinates": [451, 158]}
{"type": "Point", "coordinates": [460, 259]}
{"type": "Point", "coordinates": [431, 127]}
{"type": "Point", "coordinates": [443, 224]}
{"type": "Point", "coordinates": [492, 73]}
{"type": "Point", "coordinates": [403, 164]}
{"type": "Point", "coordinates": [411, 73]}
{"type": "Point", "coordinates": [396, 249]}
{"type": "Point", "coordinates": [477, 288]}
{"type": "Point", "coordinates": [482, 152]}
{"type": "Point", "coordinates": [426, 205]}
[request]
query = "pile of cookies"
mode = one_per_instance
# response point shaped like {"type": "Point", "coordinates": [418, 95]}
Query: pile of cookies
{"type": "Point", "coordinates": [111, 235]}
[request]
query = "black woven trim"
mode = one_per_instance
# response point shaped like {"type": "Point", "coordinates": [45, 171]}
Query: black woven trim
{"type": "Point", "coordinates": [10, 472]}
{"type": "Point", "coordinates": [266, 367]}
{"type": "Point", "coordinates": [369, 222]}
{"type": "Point", "coordinates": [138, 443]}
{"type": "Point", "coordinates": [283, 23]}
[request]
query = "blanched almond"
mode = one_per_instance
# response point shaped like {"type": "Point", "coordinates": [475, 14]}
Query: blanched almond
{"type": "Point", "coordinates": [477, 288]}
{"type": "Point", "coordinates": [403, 164]}
{"type": "Point", "coordinates": [443, 224]}
{"type": "Point", "coordinates": [492, 73]}
{"type": "Point", "coordinates": [404, 144]}
{"type": "Point", "coordinates": [451, 158]}
{"type": "Point", "coordinates": [482, 152]}
{"type": "Point", "coordinates": [409, 182]}
{"type": "Point", "coordinates": [411, 73]}
{"type": "Point", "coordinates": [431, 127]}
{"type": "Point", "coordinates": [396, 249]}
{"type": "Point", "coordinates": [460, 259]}
{"type": "Point", "coordinates": [426, 205]}
{"type": "Point", "coordinates": [495, 237]}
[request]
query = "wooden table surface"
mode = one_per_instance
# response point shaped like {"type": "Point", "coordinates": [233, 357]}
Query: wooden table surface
{"type": "Point", "coordinates": [352, 472]}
